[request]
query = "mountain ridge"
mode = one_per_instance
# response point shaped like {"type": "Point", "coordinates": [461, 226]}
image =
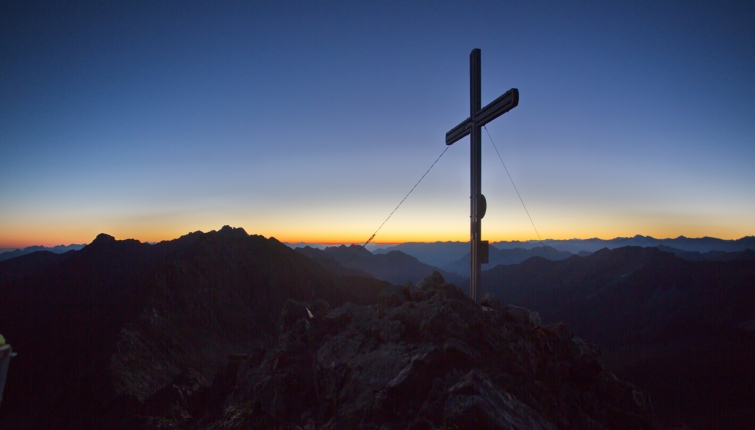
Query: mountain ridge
{"type": "Point", "coordinates": [448, 254]}
{"type": "Point", "coordinates": [58, 249]}
{"type": "Point", "coordinates": [661, 321]}
{"type": "Point", "coordinates": [508, 256]}
{"type": "Point", "coordinates": [396, 267]}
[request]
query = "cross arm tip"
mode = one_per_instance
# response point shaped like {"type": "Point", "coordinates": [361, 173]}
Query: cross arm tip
{"type": "Point", "coordinates": [458, 132]}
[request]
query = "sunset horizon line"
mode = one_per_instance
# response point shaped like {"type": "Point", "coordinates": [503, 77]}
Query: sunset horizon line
{"type": "Point", "coordinates": [67, 243]}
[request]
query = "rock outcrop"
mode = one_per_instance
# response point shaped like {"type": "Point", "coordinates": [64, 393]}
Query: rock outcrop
{"type": "Point", "coordinates": [430, 360]}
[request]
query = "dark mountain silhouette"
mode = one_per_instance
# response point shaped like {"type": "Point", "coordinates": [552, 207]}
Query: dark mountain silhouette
{"type": "Point", "coordinates": [104, 327]}
{"type": "Point", "coordinates": [60, 249]}
{"type": "Point", "coordinates": [327, 260]}
{"type": "Point", "coordinates": [508, 256]}
{"type": "Point", "coordinates": [683, 330]}
{"type": "Point", "coordinates": [748, 254]}
{"type": "Point", "coordinates": [437, 254]}
{"type": "Point", "coordinates": [31, 264]}
{"type": "Point", "coordinates": [64, 320]}
{"type": "Point", "coordinates": [395, 267]}
{"type": "Point", "coordinates": [448, 254]}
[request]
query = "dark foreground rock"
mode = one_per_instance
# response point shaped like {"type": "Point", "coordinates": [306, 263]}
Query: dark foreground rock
{"type": "Point", "coordinates": [433, 360]}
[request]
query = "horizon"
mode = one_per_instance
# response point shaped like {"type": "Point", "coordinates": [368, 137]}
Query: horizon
{"type": "Point", "coordinates": [84, 241]}
{"type": "Point", "coordinates": [4, 248]}
{"type": "Point", "coordinates": [310, 122]}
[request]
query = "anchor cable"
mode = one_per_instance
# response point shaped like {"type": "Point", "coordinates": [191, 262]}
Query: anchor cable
{"type": "Point", "coordinates": [545, 248]}
{"type": "Point", "coordinates": [517, 193]}
{"type": "Point", "coordinates": [399, 205]}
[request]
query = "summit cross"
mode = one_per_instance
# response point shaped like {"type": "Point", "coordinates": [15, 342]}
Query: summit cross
{"type": "Point", "coordinates": [478, 117]}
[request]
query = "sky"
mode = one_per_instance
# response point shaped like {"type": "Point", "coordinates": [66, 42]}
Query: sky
{"type": "Point", "coordinates": [310, 121]}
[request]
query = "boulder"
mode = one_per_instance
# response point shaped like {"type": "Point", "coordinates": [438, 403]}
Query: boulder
{"type": "Point", "coordinates": [393, 295]}
{"type": "Point", "coordinates": [433, 279]}
{"type": "Point", "coordinates": [458, 353]}
{"type": "Point", "coordinates": [412, 382]}
{"type": "Point", "coordinates": [291, 312]}
{"type": "Point", "coordinates": [522, 316]}
{"type": "Point", "coordinates": [320, 308]}
{"type": "Point", "coordinates": [476, 403]}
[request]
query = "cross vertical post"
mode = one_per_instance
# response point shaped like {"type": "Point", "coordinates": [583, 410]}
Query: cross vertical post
{"type": "Point", "coordinates": [475, 155]}
{"type": "Point", "coordinates": [472, 126]}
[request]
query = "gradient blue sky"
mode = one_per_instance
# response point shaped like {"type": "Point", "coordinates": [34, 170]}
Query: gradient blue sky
{"type": "Point", "coordinates": [310, 121]}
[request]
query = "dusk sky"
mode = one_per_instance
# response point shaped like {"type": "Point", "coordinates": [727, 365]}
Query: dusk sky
{"type": "Point", "coordinates": [311, 121]}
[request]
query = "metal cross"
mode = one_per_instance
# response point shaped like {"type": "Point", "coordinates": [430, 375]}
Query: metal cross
{"type": "Point", "coordinates": [478, 117]}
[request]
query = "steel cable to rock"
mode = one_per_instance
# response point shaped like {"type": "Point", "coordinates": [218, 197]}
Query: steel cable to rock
{"type": "Point", "coordinates": [399, 205]}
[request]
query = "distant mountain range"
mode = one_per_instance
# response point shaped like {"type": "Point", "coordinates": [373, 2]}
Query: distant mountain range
{"type": "Point", "coordinates": [370, 246]}
{"type": "Point", "coordinates": [748, 254]}
{"type": "Point", "coordinates": [703, 244]}
{"type": "Point", "coordinates": [452, 256]}
{"type": "Point", "coordinates": [438, 254]}
{"type": "Point", "coordinates": [508, 256]}
{"type": "Point", "coordinates": [446, 255]}
{"type": "Point", "coordinates": [395, 267]}
{"type": "Point", "coordinates": [60, 249]}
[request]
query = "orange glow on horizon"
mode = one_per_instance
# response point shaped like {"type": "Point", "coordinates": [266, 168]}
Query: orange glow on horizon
{"type": "Point", "coordinates": [50, 239]}
{"type": "Point", "coordinates": [30, 231]}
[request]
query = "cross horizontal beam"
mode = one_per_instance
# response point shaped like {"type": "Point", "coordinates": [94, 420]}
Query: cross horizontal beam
{"type": "Point", "coordinates": [493, 110]}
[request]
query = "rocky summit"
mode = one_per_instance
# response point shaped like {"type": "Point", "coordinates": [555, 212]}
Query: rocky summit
{"type": "Point", "coordinates": [425, 359]}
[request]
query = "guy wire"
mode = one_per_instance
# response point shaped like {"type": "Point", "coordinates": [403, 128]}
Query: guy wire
{"type": "Point", "coordinates": [399, 205]}
{"type": "Point", "coordinates": [517, 193]}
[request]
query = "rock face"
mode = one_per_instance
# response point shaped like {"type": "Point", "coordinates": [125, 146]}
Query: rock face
{"type": "Point", "coordinates": [436, 360]}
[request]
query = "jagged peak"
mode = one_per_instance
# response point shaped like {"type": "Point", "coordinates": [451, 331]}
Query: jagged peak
{"type": "Point", "coordinates": [233, 231]}
{"type": "Point", "coordinates": [103, 238]}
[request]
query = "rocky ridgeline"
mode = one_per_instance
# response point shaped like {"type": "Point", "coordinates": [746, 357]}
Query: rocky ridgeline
{"type": "Point", "coordinates": [428, 359]}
